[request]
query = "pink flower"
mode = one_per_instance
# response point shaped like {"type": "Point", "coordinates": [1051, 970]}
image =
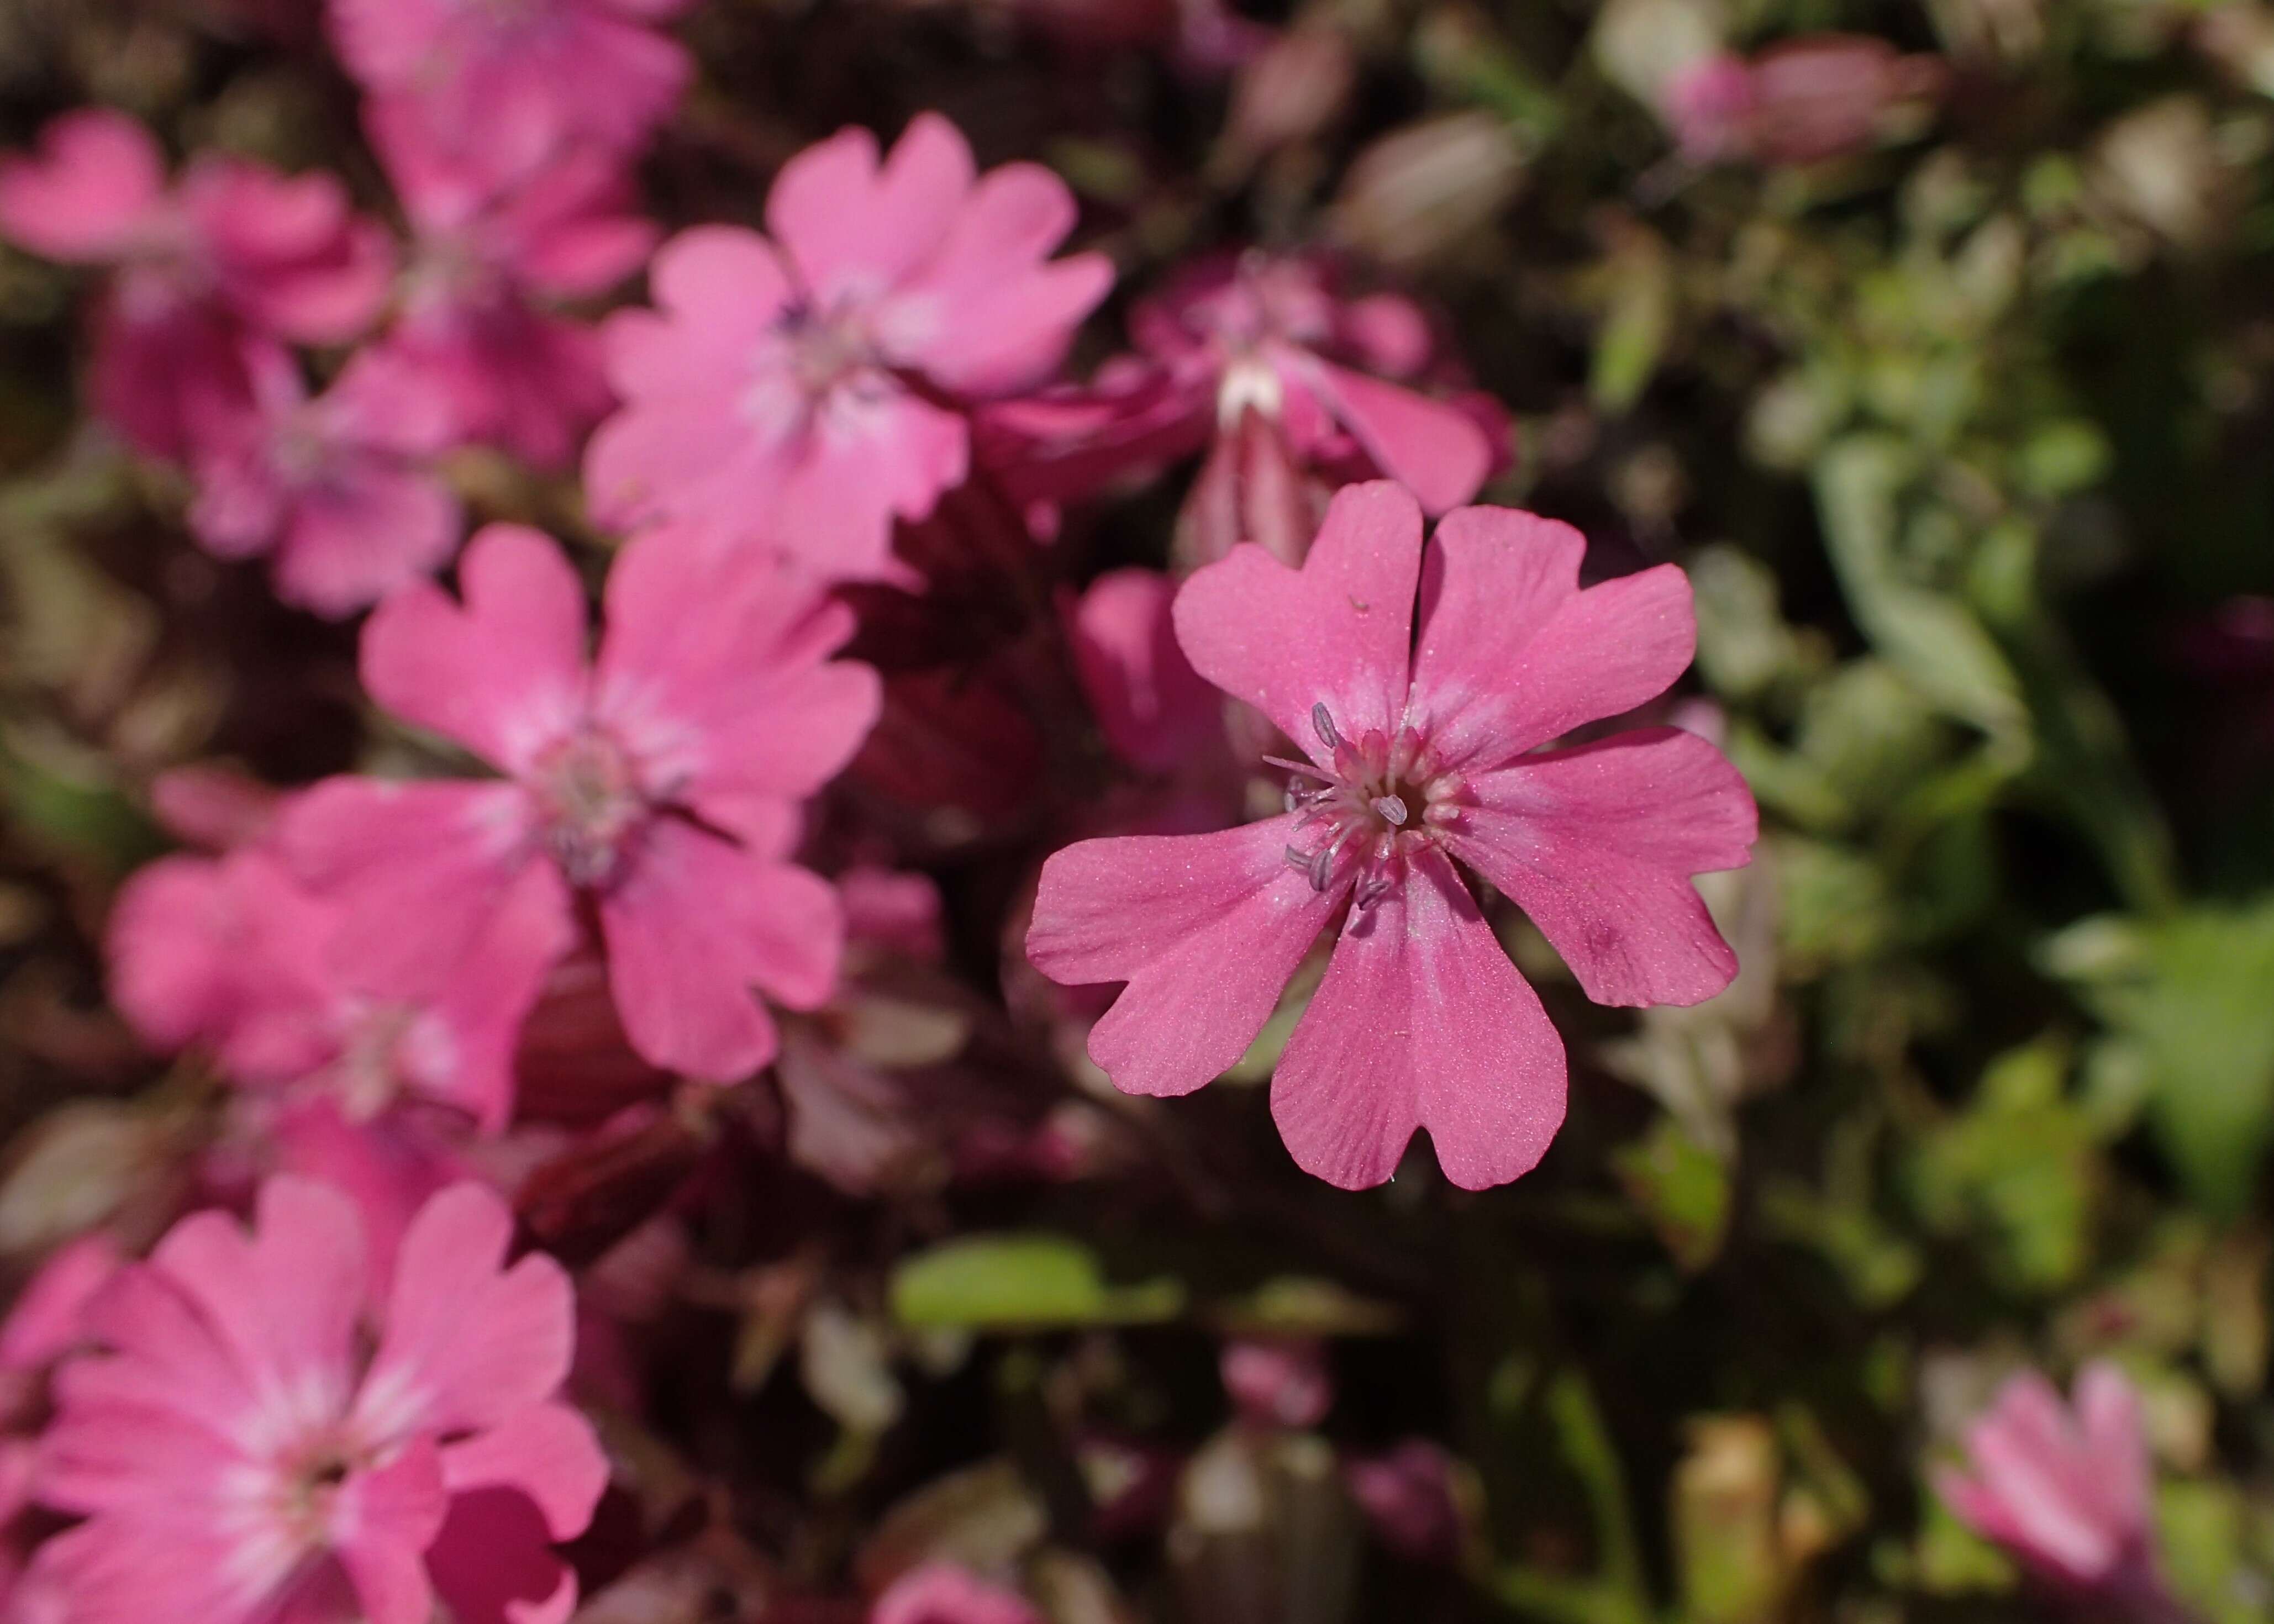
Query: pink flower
{"type": "Point", "coordinates": [340, 491]}
{"type": "Point", "coordinates": [486, 264]}
{"type": "Point", "coordinates": [491, 92]}
{"type": "Point", "coordinates": [2067, 1491]}
{"type": "Point", "coordinates": [234, 246]}
{"type": "Point", "coordinates": [1279, 1382]}
{"type": "Point", "coordinates": [1801, 100]}
{"type": "Point", "coordinates": [942, 1593]}
{"type": "Point", "coordinates": [789, 391]}
{"type": "Point", "coordinates": [292, 997]}
{"type": "Point", "coordinates": [256, 1443]}
{"type": "Point", "coordinates": [662, 782]}
{"type": "Point", "coordinates": [1263, 358]}
{"type": "Point", "coordinates": [1423, 750]}
{"type": "Point", "coordinates": [1408, 1499]}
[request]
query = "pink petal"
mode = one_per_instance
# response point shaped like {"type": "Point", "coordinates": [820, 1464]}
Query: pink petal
{"type": "Point", "coordinates": [986, 315]}
{"type": "Point", "coordinates": [693, 927]}
{"type": "Point", "coordinates": [381, 1525]}
{"type": "Point", "coordinates": [2108, 1408]}
{"type": "Point", "coordinates": [943, 1593]}
{"type": "Point", "coordinates": [375, 527]}
{"type": "Point", "coordinates": [420, 866]}
{"type": "Point", "coordinates": [548, 1452]}
{"type": "Point", "coordinates": [285, 1299]}
{"type": "Point", "coordinates": [1423, 1022]}
{"type": "Point", "coordinates": [169, 947]}
{"type": "Point", "coordinates": [117, 1570]}
{"type": "Point", "coordinates": [865, 461]}
{"type": "Point", "coordinates": [468, 1342]}
{"type": "Point", "coordinates": [96, 184]}
{"type": "Point", "coordinates": [170, 1362]}
{"type": "Point", "coordinates": [854, 230]}
{"type": "Point", "coordinates": [717, 289]}
{"type": "Point", "coordinates": [1333, 633]}
{"type": "Point", "coordinates": [504, 673]}
{"type": "Point", "coordinates": [478, 1003]}
{"type": "Point", "coordinates": [1205, 929]}
{"type": "Point", "coordinates": [712, 670]}
{"type": "Point", "coordinates": [1433, 448]}
{"type": "Point", "coordinates": [1511, 656]}
{"type": "Point", "coordinates": [1493, 580]}
{"type": "Point", "coordinates": [1598, 844]}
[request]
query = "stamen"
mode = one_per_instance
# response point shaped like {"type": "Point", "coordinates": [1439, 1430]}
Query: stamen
{"type": "Point", "coordinates": [1325, 725]}
{"type": "Point", "coordinates": [1392, 808]}
{"type": "Point", "coordinates": [1302, 767]}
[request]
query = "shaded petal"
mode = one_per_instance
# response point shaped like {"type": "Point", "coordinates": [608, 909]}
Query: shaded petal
{"type": "Point", "coordinates": [866, 459]}
{"type": "Point", "coordinates": [1421, 1021]}
{"type": "Point", "coordinates": [695, 924]}
{"type": "Point", "coordinates": [853, 229]}
{"type": "Point", "coordinates": [468, 1342]}
{"type": "Point", "coordinates": [494, 1564]}
{"type": "Point", "coordinates": [503, 674]}
{"type": "Point", "coordinates": [1598, 844]}
{"type": "Point", "coordinates": [1334, 632]}
{"type": "Point", "coordinates": [1205, 929]}
{"type": "Point", "coordinates": [1432, 448]}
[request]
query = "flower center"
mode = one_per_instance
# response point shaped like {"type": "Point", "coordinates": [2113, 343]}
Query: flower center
{"type": "Point", "coordinates": [1383, 797]}
{"type": "Point", "coordinates": [827, 351]}
{"type": "Point", "coordinates": [589, 802]}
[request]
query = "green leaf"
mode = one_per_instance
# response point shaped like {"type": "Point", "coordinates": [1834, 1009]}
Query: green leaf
{"type": "Point", "coordinates": [2189, 996]}
{"type": "Point", "coordinates": [1003, 1283]}
{"type": "Point", "coordinates": [1932, 638]}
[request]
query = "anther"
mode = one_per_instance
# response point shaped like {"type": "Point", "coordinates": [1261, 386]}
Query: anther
{"type": "Point", "coordinates": [1392, 808]}
{"type": "Point", "coordinates": [1325, 725]}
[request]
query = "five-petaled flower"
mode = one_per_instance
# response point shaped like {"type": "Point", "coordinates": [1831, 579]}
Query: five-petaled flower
{"type": "Point", "coordinates": [663, 783]}
{"type": "Point", "coordinates": [1422, 725]}
{"type": "Point", "coordinates": [802, 393]}
{"type": "Point", "coordinates": [256, 1440]}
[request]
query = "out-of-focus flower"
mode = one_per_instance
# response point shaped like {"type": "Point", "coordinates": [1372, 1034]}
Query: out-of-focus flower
{"type": "Point", "coordinates": [786, 393]}
{"type": "Point", "coordinates": [943, 1593]}
{"type": "Point", "coordinates": [493, 92]}
{"type": "Point", "coordinates": [1156, 711]}
{"type": "Point", "coordinates": [1330, 379]}
{"type": "Point", "coordinates": [1422, 750]}
{"type": "Point", "coordinates": [1801, 101]}
{"type": "Point", "coordinates": [663, 782]}
{"type": "Point", "coordinates": [234, 246]}
{"type": "Point", "coordinates": [239, 1447]}
{"type": "Point", "coordinates": [473, 320]}
{"type": "Point", "coordinates": [212, 805]}
{"type": "Point", "coordinates": [2066, 1489]}
{"type": "Point", "coordinates": [339, 491]}
{"type": "Point", "coordinates": [1407, 1494]}
{"type": "Point", "coordinates": [291, 995]}
{"type": "Point", "coordinates": [1281, 1383]}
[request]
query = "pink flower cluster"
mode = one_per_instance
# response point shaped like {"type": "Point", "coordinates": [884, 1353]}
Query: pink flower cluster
{"type": "Point", "coordinates": [609, 872]}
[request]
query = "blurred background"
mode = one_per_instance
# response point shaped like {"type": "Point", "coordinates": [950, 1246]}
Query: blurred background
{"type": "Point", "coordinates": [1933, 338]}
